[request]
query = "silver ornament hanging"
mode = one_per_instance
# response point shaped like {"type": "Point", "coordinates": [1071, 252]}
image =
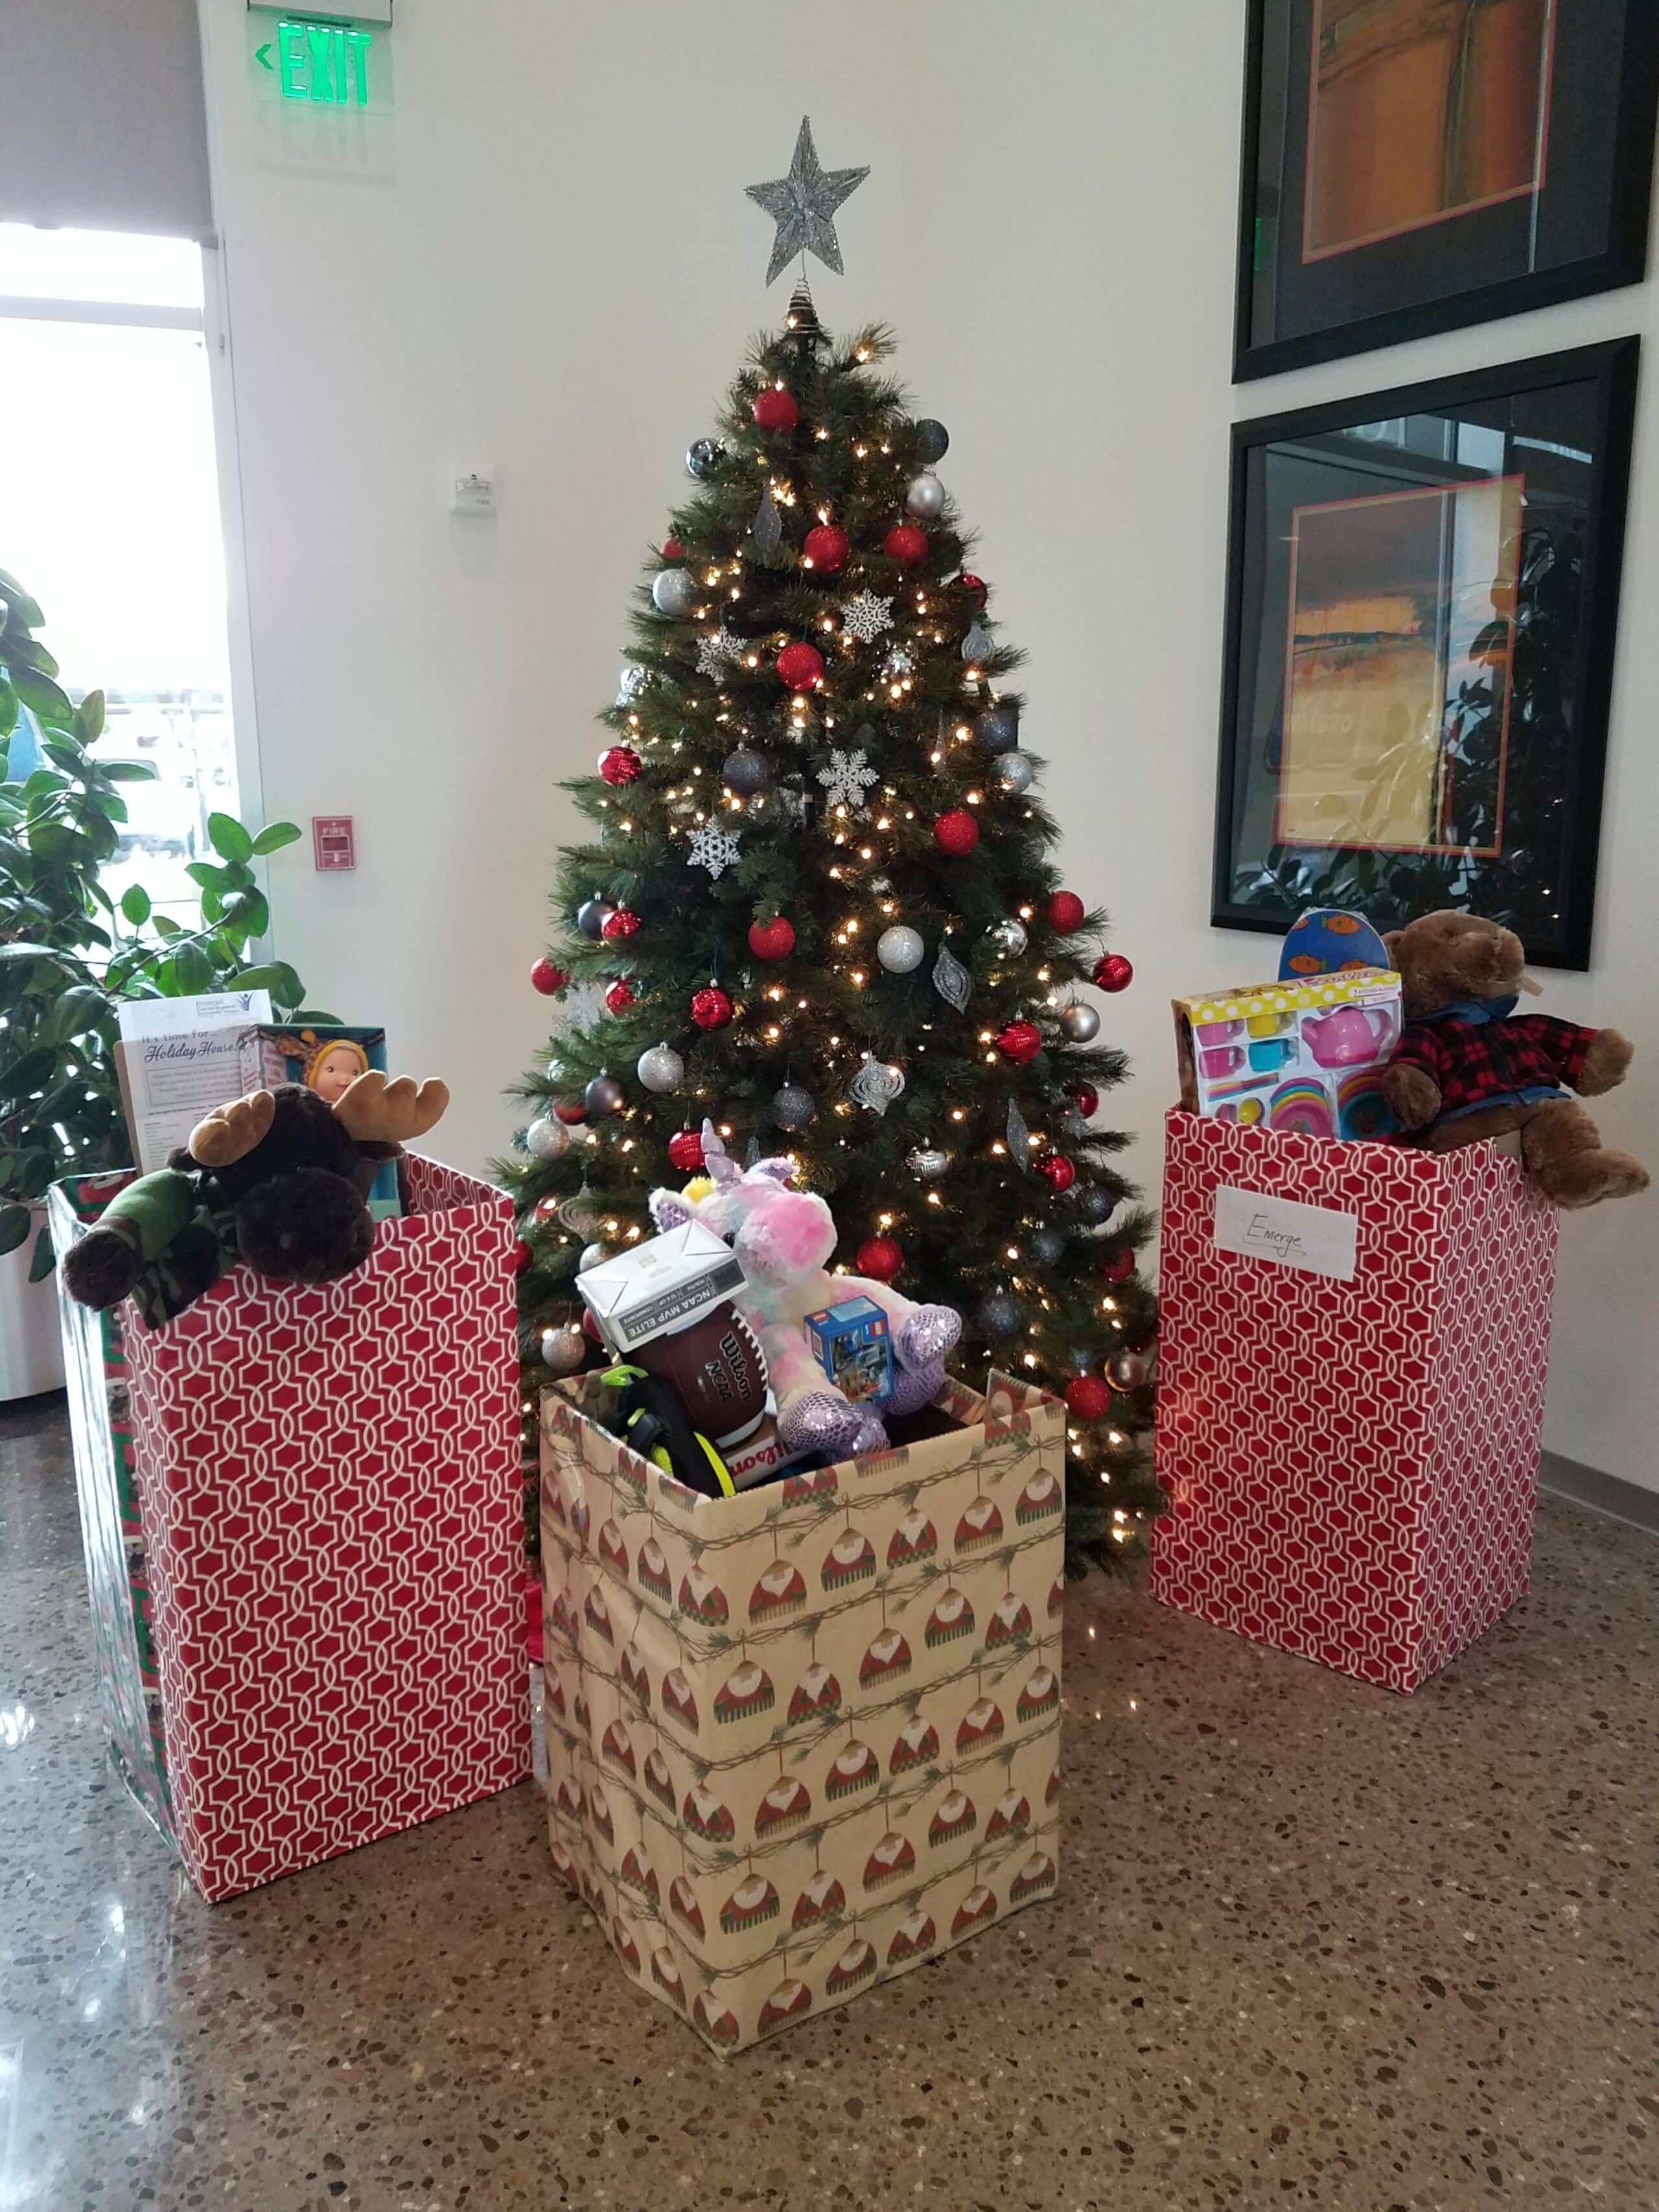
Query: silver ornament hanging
{"type": "Point", "coordinates": [766, 528]}
{"type": "Point", "coordinates": [703, 457]}
{"type": "Point", "coordinates": [661, 1069]}
{"type": "Point", "coordinates": [792, 1107]}
{"type": "Point", "coordinates": [1080, 1022]}
{"type": "Point", "coordinates": [877, 1084]}
{"type": "Point", "coordinates": [1015, 772]}
{"type": "Point", "coordinates": [997, 728]}
{"type": "Point", "coordinates": [1018, 1137]}
{"type": "Point", "coordinates": [900, 949]}
{"type": "Point", "coordinates": [593, 1256]}
{"type": "Point", "coordinates": [603, 1096]}
{"type": "Point", "coordinates": [591, 915]}
{"type": "Point", "coordinates": [897, 663]}
{"type": "Point", "coordinates": [998, 1315]}
{"type": "Point", "coordinates": [1128, 1370]}
{"type": "Point", "coordinates": [924, 497]}
{"type": "Point", "coordinates": [1047, 1246]}
{"type": "Point", "coordinates": [927, 1161]}
{"type": "Point", "coordinates": [932, 439]}
{"type": "Point", "coordinates": [633, 682]}
{"type": "Point", "coordinates": [950, 979]}
{"type": "Point", "coordinates": [1007, 939]}
{"type": "Point", "coordinates": [580, 1215]}
{"type": "Point", "coordinates": [546, 1138]}
{"type": "Point", "coordinates": [674, 593]}
{"type": "Point", "coordinates": [979, 644]}
{"type": "Point", "coordinates": [1079, 1359]}
{"type": "Point", "coordinates": [563, 1349]}
{"type": "Point", "coordinates": [746, 771]}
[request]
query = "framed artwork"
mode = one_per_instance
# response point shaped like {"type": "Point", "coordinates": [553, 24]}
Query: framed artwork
{"type": "Point", "coordinates": [1422, 599]}
{"type": "Point", "coordinates": [1412, 166]}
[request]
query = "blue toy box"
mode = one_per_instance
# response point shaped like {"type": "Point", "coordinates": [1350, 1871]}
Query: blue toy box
{"type": "Point", "coordinates": [851, 1344]}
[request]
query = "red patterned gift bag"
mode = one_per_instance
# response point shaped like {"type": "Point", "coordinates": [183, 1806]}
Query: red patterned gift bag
{"type": "Point", "coordinates": [327, 1489]}
{"type": "Point", "coordinates": [1353, 1346]}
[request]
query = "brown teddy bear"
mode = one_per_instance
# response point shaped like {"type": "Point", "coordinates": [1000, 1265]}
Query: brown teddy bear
{"type": "Point", "coordinates": [1468, 1066]}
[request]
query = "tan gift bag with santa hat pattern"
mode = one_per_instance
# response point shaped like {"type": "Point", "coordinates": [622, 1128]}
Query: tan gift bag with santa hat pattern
{"type": "Point", "coordinates": [802, 1739]}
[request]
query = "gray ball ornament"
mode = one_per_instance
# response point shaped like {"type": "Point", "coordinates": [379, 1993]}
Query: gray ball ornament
{"type": "Point", "coordinates": [1080, 1022]}
{"type": "Point", "coordinates": [1047, 1246]}
{"type": "Point", "coordinates": [591, 915]}
{"type": "Point", "coordinates": [603, 1096]}
{"type": "Point", "coordinates": [924, 497]}
{"type": "Point", "coordinates": [927, 1161]}
{"type": "Point", "coordinates": [661, 1069]}
{"type": "Point", "coordinates": [932, 439]}
{"type": "Point", "coordinates": [1007, 939]}
{"type": "Point", "coordinates": [900, 949]}
{"type": "Point", "coordinates": [1091, 1204]}
{"type": "Point", "coordinates": [593, 1256]}
{"type": "Point", "coordinates": [702, 458]}
{"type": "Point", "coordinates": [563, 1349]}
{"type": "Point", "coordinates": [674, 593]}
{"type": "Point", "coordinates": [1015, 772]}
{"type": "Point", "coordinates": [546, 1138]}
{"type": "Point", "coordinates": [998, 1315]}
{"type": "Point", "coordinates": [792, 1107]}
{"type": "Point", "coordinates": [997, 728]}
{"type": "Point", "coordinates": [1128, 1370]}
{"type": "Point", "coordinates": [632, 681]}
{"type": "Point", "coordinates": [746, 771]}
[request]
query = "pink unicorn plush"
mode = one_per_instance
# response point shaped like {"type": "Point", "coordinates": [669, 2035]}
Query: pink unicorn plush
{"type": "Point", "coordinates": [785, 1239]}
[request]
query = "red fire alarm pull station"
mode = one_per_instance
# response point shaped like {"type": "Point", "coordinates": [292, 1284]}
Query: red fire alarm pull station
{"type": "Point", "coordinates": [333, 841]}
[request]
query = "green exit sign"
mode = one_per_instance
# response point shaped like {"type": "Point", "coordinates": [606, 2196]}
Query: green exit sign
{"type": "Point", "coordinates": [325, 64]}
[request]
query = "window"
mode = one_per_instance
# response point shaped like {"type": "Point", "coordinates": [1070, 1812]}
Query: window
{"type": "Point", "coordinates": [109, 516]}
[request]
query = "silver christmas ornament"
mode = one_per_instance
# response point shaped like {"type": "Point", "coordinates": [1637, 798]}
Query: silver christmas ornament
{"type": "Point", "coordinates": [592, 916]}
{"type": "Point", "coordinates": [766, 528]}
{"type": "Point", "coordinates": [603, 1096]}
{"type": "Point", "coordinates": [792, 1107]}
{"type": "Point", "coordinates": [555, 1073]}
{"type": "Point", "coordinates": [661, 1069]}
{"type": "Point", "coordinates": [1015, 771]}
{"type": "Point", "coordinates": [866, 615]}
{"type": "Point", "coordinates": [897, 662]}
{"type": "Point", "coordinates": [564, 1349]}
{"type": "Point", "coordinates": [1007, 939]}
{"type": "Point", "coordinates": [674, 593]}
{"type": "Point", "coordinates": [1018, 1137]}
{"type": "Point", "coordinates": [1047, 1246]}
{"type": "Point", "coordinates": [927, 1161]}
{"type": "Point", "coordinates": [997, 728]}
{"type": "Point", "coordinates": [950, 979]}
{"type": "Point", "coordinates": [1079, 1359]}
{"type": "Point", "coordinates": [1128, 1370]}
{"type": "Point", "coordinates": [632, 681]}
{"type": "Point", "coordinates": [592, 1256]}
{"type": "Point", "coordinates": [746, 771]}
{"type": "Point", "coordinates": [900, 949]}
{"type": "Point", "coordinates": [978, 644]}
{"type": "Point", "coordinates": [932, 439]}
{"type": "Point", "coordinates": [803, 205]}
{"type": "Point", "coordinates": [877, 1084]}
{"type": "Point", "coordinates": [580, 1214]}
{"type": "Point", "coordinates": [703, 458]}
{"type": "Point", "coordinates": [924, 496]}
{"type": "Point", "coordinates": [546, 1138]}
{"type": "Point", "coordinates": [1080, 1022]}
{"type": "Point", "coordinates": [998, 1315]}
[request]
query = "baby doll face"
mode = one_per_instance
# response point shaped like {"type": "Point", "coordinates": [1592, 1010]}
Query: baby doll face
{"type": "Point", "coordinates": [335, 1072]}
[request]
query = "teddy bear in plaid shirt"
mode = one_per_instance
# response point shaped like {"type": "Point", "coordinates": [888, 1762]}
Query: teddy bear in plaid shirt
{"type": "Point", "coordinates": [1468, 1066]}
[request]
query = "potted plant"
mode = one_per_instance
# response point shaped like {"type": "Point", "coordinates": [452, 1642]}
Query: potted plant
{"type": "Point", "coordinates": [69, 956]}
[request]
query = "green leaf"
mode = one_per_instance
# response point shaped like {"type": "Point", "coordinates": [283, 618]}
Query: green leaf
{"type": "Point", "coordinates": [247, 915]}
{"type": "Point", "coordinates": [34, 1175]}
{"type": "Point", "coordinates": [24, 613]}
{"type": "Point", "coordinates": [125, 771]}
{"type": "Point", "coordinates": [271, 978]}
{"type": "Point", "coordinates": [228, 837]}
{"type": "Point", "coordinates": [42, 1258]}
{"type": "Point", "coordinates": [209, 878]}
{"type": "Point", "coordinates": [192, 972]}
{"type": "Point", "coordinates": [8, 707]}
{"type": "Point", "coordinates": [213, 906]}
{"type": "Point", "coordinates": [89, 718]}
{"type": "Point", "coordinates": [275, 835]}
{"type": "Point", "coordinates": [135, 904]}
{"type": "Point", "coordinates": [290, 990]}
{"type": "Point", "coordinates": [29, 1073]}
{"type": "Point", "coordinates": [166, 925]}
{"type": "Point", "coordinates": [65, 753]}
{"type": "Point", "coordinates": [41, 695]}
{"type": "Point", "coordinates": [73, 1013]}
{"type": "Point", "coordinates": [15, 1224]}
{"type": "Point", "coordinates": [43, 783]}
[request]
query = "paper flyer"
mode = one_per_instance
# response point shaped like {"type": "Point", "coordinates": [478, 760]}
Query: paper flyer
{"type": "Point", "coordinates": [178, 1060]}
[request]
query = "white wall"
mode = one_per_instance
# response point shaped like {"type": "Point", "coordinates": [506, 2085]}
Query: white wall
{"type": "Point", "coordinates": [559, 278]}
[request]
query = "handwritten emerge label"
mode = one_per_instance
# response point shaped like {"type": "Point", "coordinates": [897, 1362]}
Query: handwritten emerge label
{"type": "Point", "coordinates": [1316, 1238]}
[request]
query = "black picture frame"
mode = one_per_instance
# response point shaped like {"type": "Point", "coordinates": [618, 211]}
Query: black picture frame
{"type": "Point", "coordinates": [1586, 222]}
{"type": "Point", "coordinates": [1554, 662]}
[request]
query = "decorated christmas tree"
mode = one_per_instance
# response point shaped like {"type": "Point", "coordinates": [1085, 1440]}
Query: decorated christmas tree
{"type": "Point", "coordinates": [817, 908]}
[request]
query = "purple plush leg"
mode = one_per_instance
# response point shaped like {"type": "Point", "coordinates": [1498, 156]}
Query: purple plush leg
{"type": "Point", "coordinates": [823, 1420]}
{"type": "Point", "coordinates": [927, 1335]}
{"type": "Point", "coordinates": [915, 1387]}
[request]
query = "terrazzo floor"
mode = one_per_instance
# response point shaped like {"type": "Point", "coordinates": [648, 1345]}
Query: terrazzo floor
{"type": "Point", "coordinates": [1318, 1945]}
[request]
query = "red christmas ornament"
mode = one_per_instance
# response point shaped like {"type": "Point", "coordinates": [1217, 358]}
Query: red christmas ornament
{"type": "Point", "coordinates": [570, 1111]}
{"type": "Point", "coordinates": [591, 1327]}
{"type": "Point", "coordinates": [621, 923]}
{"type": "Point", "coordinates": [1088, 1398]}
{"type": "Point", "coordinates": [1120, 1266]}
{"type": "Point", "coordinates": [1019, 1041]}
{"type": "Point", "coordinates": [906, 544]}
{"type": "Point", "coordinates": [772, 941]}
{"type": "Point", "coordinates": [520, 1256]}
{"type": "Point", "coordinates": [685, 1151]}
{"type": "Point", "coordinates": [620, 765]}
{"type": "Point", "coordinates": [711, 1009]}
{"type": "Point", "coordinates": [957, 832]}
{"type": "Point", "coordinates": [775, 410]}
{"type": "Point", "coordinates": [672, 549]}
{"type": "Point", "coordinates": [1086, 1097]}
{"type": "Point", "coordinates": [547, 1210]}
{"type": "Point", "coordinates": [1113, 972]}
{"type": "Point", "coordinates": [1066, 911]}
{"type": "Point", "coordinates": [974, 585]}
{"type": "Point", "coordinates": [878, 1257]}
{"type": "Point", "coordinates": [547, 977]}
{"type": "Point", "coordinates": [825, 546]}
{"type": "Point", "coordinates": [619, 995]}
{"type": "Point", "coordinates": [800, 668]}
{"type": "Point", "coordinates": [1057, 1172]}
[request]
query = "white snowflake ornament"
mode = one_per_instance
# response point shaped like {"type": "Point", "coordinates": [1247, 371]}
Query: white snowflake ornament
{"type": "Point", "coordinates": [717, 651]}
{"type": "Point", "coordinates": [847, 778]}
{"type": "Point", "coordinates": [866, 615]}
{"type": "Point", "coordinates": [712, 847]}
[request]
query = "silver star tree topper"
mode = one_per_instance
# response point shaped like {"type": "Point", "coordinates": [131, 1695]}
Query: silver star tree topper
{"type": "Point", "coordinates": [803, 205]}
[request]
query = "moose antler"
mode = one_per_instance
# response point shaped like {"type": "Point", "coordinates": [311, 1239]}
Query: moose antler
{"type": "Point", "coordinates": [374, 1110]}
{"type": "Point", "coordinates": [230, 1132]}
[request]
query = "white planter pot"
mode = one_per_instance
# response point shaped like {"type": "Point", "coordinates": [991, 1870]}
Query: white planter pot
{"type": "Point", "coordinates": [31, 1341]}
